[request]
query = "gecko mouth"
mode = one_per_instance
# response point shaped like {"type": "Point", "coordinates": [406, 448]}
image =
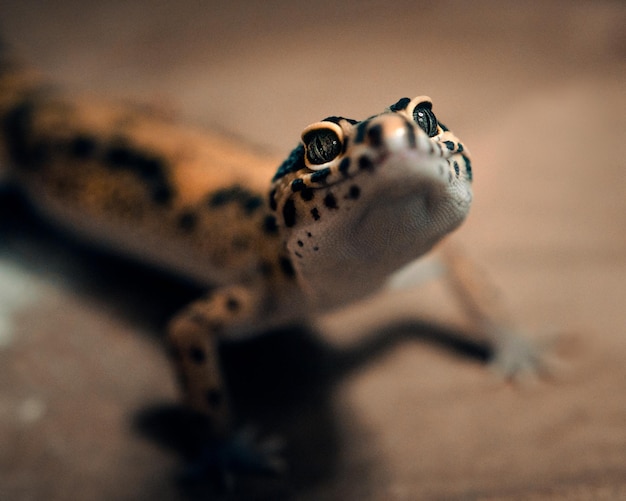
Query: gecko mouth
{"type": "Point", "coordinates": [412, 170]}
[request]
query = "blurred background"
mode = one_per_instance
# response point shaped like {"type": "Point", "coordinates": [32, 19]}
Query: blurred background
{"type": "Point", "coordinates": [537, 92]}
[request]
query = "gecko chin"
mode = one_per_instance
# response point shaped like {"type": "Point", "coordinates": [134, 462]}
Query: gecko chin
{"type": "Point", "coordinates": [397, 229]}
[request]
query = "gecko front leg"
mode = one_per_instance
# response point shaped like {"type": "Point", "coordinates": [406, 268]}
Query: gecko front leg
{"type": "Point", "coordinates": [193, 337]}
{"type": "Point", "coordinates": [514, 355]}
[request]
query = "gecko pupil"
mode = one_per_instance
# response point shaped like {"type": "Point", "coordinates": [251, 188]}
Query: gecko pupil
{"type": "Point", "coordinates": [322, 146]}
{"type": "Point", "coordinates": [425, 118]}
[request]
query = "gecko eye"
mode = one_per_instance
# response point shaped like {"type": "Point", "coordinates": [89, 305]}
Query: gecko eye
{"type": "Point", "coordinates": [322, 144]}
{"type": "Point", "coordinates": [425, 118]}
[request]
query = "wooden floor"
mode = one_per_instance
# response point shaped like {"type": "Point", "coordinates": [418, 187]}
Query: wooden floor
{"type": "Point", "coordinates": [536, 89]}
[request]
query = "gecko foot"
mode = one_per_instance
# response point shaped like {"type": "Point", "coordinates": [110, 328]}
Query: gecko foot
{"type": "Point", "coordinates": [241, 454]}
{"type": "Point", "coordinates": [522, 359]}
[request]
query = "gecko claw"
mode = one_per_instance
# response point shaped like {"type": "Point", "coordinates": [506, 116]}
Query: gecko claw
{"type": "Point", "coordinates": [521, 359]}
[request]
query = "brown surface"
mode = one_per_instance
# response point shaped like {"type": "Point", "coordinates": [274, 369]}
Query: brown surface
{"type": "Point", "coordinates": [536, 89]}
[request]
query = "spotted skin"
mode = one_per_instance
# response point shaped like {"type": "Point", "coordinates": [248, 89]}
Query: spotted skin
{"type": "Point", "coordinates": [352, 203]}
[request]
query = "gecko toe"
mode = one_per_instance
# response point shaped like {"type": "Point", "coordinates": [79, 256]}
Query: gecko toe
{"type": "Point", "coordinates": [522, 359]}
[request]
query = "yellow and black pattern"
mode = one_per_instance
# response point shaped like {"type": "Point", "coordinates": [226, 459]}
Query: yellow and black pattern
{"type": "Point", "coordinates": [353, 202]}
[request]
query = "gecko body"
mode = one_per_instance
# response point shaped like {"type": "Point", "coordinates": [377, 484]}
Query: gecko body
{"type": "Point", "coordinates": [275, 241]}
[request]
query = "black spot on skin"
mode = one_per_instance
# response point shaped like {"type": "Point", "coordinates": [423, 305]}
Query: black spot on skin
{"type": "Point", "coordinates": [150, 168]}
{"type": "Point", "coordinates": [197, 355]}
{"type": "Point", "coordinates": [455, 164]}
{"type": "Point", "coordinates": [289, 213]}
{"type": "Point", "coordinates": [330, 201]}
{"type": "Point", "coordinates": [320, 175]}
{"type": "Point", "coordinates": [333, 119]}
{"type": "Point", "coordinates": [265, 268]}
{"type": "Point", "coordinates": [468, 168]}
{"type": "Point", "coordinates": [375, 135]}
{"type": "Point", "coordinates": [272, 198]}
{"type": "Point", "coordinates": [83, 147]}
{"type": "Point", "coordinates": [307, 194]}
{"type": "Point", "coordinates": [213, 398]}
{"type": "Point", "coordinates": [309, 234]}
{"type": "Point", "coordinates": [187, 221]}
{"type": "Point", "coordinates": [293, 163]}
{"type": "Point", "coordinates": [365, 163]}
{"type": "Point", "coordinates": [232, 304]}
{"type": "Point", "coordinates": [297, 185]}
{"type": "Point", "coordinates": [450, 145]}
{"type": "Point", "coordinates": [400, 105]}
{"type": "Point", "coordinates": [344, 165]}
{"type": "Point", "coordinates": [345, 144]}
{"type": "Point", "coordinates": [162, 194]}
{"type": "Point", "coordinates": [443, 127]}
{"type": "Point", "coordinates": [222, 197]}
{"type": "Point", "coordinates": [269, 225]}
{"type": "Point", "coordinates": [336, 120]}
{"type": "Point", "coordinates": [360, 132]}
{"type": "Point", "coordinates": [248, 201]}
{"type": "Point", "coordinates": [354, 192]}
{"type": "Point", "coordinates": [119, 155]}
{"type": "Point", "coordinates": [17, 126]}
{"type": "Point", "coordinates": [410, 135]}
{"type": "Point", "coordinates": [316, 248]}
{"type": "Point", "coordinates": [300, 243]}
{"type": "Point", "coordinates": [298, 254]}
{"type": "Point", "coordinates": [252, 204]}
{"type": "Point", "coordinates": [287, 267]}
{"type": "Point", "coordinates": [459, 148]}
{"type": "Point", "coordinates": [315, 213]}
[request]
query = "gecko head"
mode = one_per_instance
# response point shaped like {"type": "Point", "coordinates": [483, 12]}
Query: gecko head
{"type": "Point", "coordinates": [357, 200]}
